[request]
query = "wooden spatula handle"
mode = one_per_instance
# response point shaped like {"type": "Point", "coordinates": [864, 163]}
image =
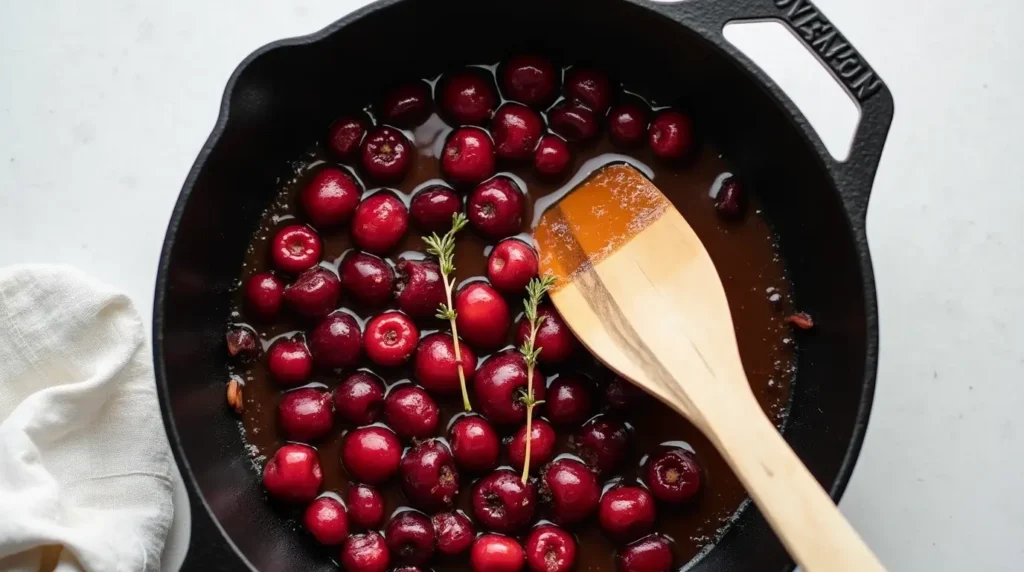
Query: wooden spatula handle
{"type": "Point", "coordinates": [802, 514]}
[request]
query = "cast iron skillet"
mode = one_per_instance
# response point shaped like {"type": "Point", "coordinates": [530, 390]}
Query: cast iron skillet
{"type": "Point", "coordinates": [282, 97]}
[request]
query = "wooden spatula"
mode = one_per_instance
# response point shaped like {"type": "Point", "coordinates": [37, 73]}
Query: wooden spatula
{"type": "Point", "coordinates": [638, 288]}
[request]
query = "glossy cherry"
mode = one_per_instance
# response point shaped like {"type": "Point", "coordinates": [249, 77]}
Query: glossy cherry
{"type": "Point", "coordinates": [243, 343]}
{"type": "Point", "coordinates": [454, 532]}
{"type": "Point", "coordinates": [620, 394]}
{"type": "Point", "coordinates": [367, 278]}
{"type": "Point", "coordinates": [365, 553]}
{"type": "Point", "coordinates": [570, 490]}
{"type": "Point", "coordinates": [305, 414]}
{"type": "Point", "coordinates": [365, 506]}
{"type": "Point", "coordinates": [336, 341]}
{"type": "Point", "coordinates": [569, 400]}
{"type": "Point", "coordinates": [550, 549]}
{"type": "Point", "coordinates": [588, 87]}
{"type": "Point", "coordinates": [553, 335]}
{"type": "Point", "coordinates": [602, 443]}
{"type": "Point", "coordinates": [345, 135]}
{"type": "Point", "coordinates": [434, 364]}
{"type": "Point", "coordinates": [495, 207]}
{"type": "Point", "coordinates": [516, 130]}
{"type": "Point", "coordinates": [407, 105]}
{"type": "Point", "coordinates": [419, 289]}
{"type": "Point", "coordinates": [380, 222]}
{"type": "Point", "coordinates": [386, 154]}
{"type": "Point", "coordinates": [468, 156]}
{"type": "Point", "coordinates": [330, 197]}
{"type": "Point", "coordinates": [359, 399]}
{"type": "Point", "coordinates": [671, 135]}
{"type": "Point", "coordinates": [499, 383]}
{"type": "Point", "coordinates": [511, 266]}
{"type": "Point", "coordinates": [542, 445]}
{"type": "Point", "coordinates": [289, 361]}
{"type": "Point", "coordinates": [730, 199]}
{"type": "Point", "coordinates": [293, 474]}
{"type": "Point", "coordinates": [627, 512]}
{"type": "Point", "coordinates": [429, 478]}
{"type": "Point", "coordinates": [482, 316]}
{"type": "Point", "coordinates": [496, 553]}
{"type": "Point", "coordinates": [432, 208]}
{"type": "Point", "coordinates": [314, 294]}
{"type": "Point", "coordinates": [371, 454]}
{"type": "Point", "coordinates": [573, 121]}
{"type": "Point", "coordinates": [552, 156]}
{"type": "Point", "coordinates": [627, 123]}
{"type": "Point", "coordinates": [326, 520]}
{"type": "Point", "coordinates": [529, 79]}
{"type": "Point", "coordinates": [411, 412]}
{"type": "Point", "coordinates": [410, 538]}
{"type": "Point", "coordinates": [295, 248]}
{"type": "Point", "coordinates": [475, 443]}
{"type": "Point", "coordinates": [502, 503]}
{"type": "Point", "coordinates": [673, 476]}
{"type": "Point", "coordinates": [263, 295]}
{"type": "Point", "coordinates": [468, 96]}
{"type": "Point", "coordinates": [390, 339]}
{"type": "Point", "coordinates": [652, 553]}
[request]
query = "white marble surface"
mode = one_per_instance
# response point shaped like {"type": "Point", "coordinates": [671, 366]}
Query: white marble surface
{"type": "Point", "coordinates": [104, 105]}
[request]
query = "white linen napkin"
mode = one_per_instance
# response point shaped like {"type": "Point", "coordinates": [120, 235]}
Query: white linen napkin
{"type": "Point", "coordinates": [84, 461]}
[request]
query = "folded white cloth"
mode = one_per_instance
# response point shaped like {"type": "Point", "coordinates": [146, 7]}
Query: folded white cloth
{"type": "Point", "coordinates": [84, 461]}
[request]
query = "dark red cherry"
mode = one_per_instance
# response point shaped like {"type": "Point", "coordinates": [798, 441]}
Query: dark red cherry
{"type": "Point", "coordinates": [380, 222]}
{"type": "Point", "coordinates": [588, 87]}
{"type": "Point", "coordinates": [569, 400]}
{"type": "Point", "coordinates": [730, 199]}
{"type": "Point", "coordinates": [429, 478]}
{"type": "Point", "coordinates": [502, 502]}
{"type": "Point", "coordinates": [360, 398]}
{"type": "Point", "coordinates": [542, 445]}
{"type": "Point", "coordinates": [511, 266]}
{"type": "Point", "coordinates": [365, 506]}
{"type": "Point", "coordinates": [330, 198]}
{"type": "Point", "coordinates": [435, 366]}
{"type": "Point", "coordinates": [652, 553]}
{"type": "Point", "coordinates": [570, 490]}
{"type": "Point", "coordinates": [495, 207]}
{"type": "Point", "coordinates": [411, 412]}
{"type": "Point", "coordinates": [573, 121]}
{"type": "Point", "coordinates": [410, 538]}
{"type": "Point", "coordinates": [293, 474]}
{"type": "Point", "coordinates": [289, 361]}
{"type": "Point", "coordinates": [673, 476]}
{"type": "Point", "coordinates": [627, 123]}
{"type": "Point", "coordinates": [475, 443]}
{"type": "Point", "coordinates": [602, 443]}
{"type": "Point", "coordinates": [432, 208]}
{"type": "Point", "coordinates": [552, 156]}
{"type": "Point", "coordinates": [468, 156]}
{"type": "Point", "coordinates": [516, 130]}
{"type": "Point", "coordinates": [345, 136]}
{"type": "Point", "coordinates": [627, 512]}
{"type": "Point", "coordinates": [671, 135]}
{"type": "Point", "coordinates": [314, 294]}
{"type": "Point", "coordinates": [529, 79]}
{"type": "Point", "coordinates": [550, 549]}
{"type": "Point", "coordinates": [499, 385]}
{"type": "Point", "coordinates": [553, 335]}
{"type": "Point", "coordinates": [407, 105]}
{"type": "Point", "coordinates": [367, 278]}
{"type": "Point", "coordinates": [365, 553]}
{"type": "Point", "coordinates": [386, 154]}
{"type": "Point", "coordinates": [295, 248]}
{"type": "Point", "coordinates": [419, 289]}
{"type": "Point", "coordinates": [371, 454]}
{"type": "Point", "coordinates": [468, 96]}
{"type": "Point", "coordinates": [336, 341]}
{"type": "Point", "coordinates": [482, 316]}
{"type": "Point", "coordinates": [326, 520]}
{"type": "Point", "coordinates": [263, 295]}
{"type": "Point", "coordinates": [305, 414]}
{"type": "Point", "coordinates": [454, 531]}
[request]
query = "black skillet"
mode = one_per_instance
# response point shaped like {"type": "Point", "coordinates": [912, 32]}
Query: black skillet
{"type": "Point", "coordinates": [281, 97]}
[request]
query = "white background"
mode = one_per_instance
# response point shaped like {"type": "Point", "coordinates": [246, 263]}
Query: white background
{"type": "Point", "coordinates": [104, 105]}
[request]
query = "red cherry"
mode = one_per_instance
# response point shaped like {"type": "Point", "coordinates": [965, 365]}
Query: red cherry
{"type": "Point", "coordinates": [542, 445]}
{"type": "Point", "coordinates": [419, 289]}
{"type": "Point", "coordinates": [502, 502]}
{"type": "Point", "coordinates": [365, 506]}
{"type": "Point", "coordinates": [435, 367]}
{"type": "Point", "coordinates": [568, 401]}
{"type": "Point", "coordinates": [243, 343]}
{"type": "Point", "coordinates": [552, 156]}
{"type": "Point", "coordinates": [432, 208]}
{"type": "Point", "coordinates": [529, 79]}
{"type": "Point", "coordinates": [516, 130]}
{"type": "Point", "coordinates": [411, 412]}
{"type": "Point", "coordinates": [550, 549]}
{"type": "Point", "coordinates": [345, 136]}
{"type": "Point", "coordinates": [588, 87]}
{"type": "Point", "coordinates": [295, 248]}
{"type": "Point", "coordinates": [314, 293]}
{"type": "Point", "coordinates": [380, 223]}
{"type": "Point", "coordinates": [570, 489]}
{"type": "Point", "coordinates": [330, 198]}
{"type": "Point", "coordinates": [468, 96]}
{"type": "Point", "coordinates": [494, 553]}
{"type": "Point", "coordinates": [475, 444]}
{"type": "Point", "coordinates": [454, 531]}
{"type": "Point", "coordinates": [627, 512]}
{"type": "Point", "coordinates": [429, 478]}
{"type": "Point", "coordinates": [673, 476]}
{"type": "Point", "coordinates": [620, 394]}
{"type": "Point", "coordinates": [371, 454]}
{"type": "Point", "coordinates": [499, 383]}
{"type": "Point", "coordinates": [602, 443]}
{"type": "Point", "coordinates": [305, 414]}
{"type": "Point", "coordinates": [360, 398]}
{"type": "Point", "coordinates": [671, 135]}
{"type": "Point", "coordinates": [651, 553]}
{"type": "Point", "coordinates": [573, 121]}
{"type": "Point", "coordinates": [627, 124]}
{"type": "Point", "coordinates": [326, 520]}
{"type": "Point", "coordinates": [468, 156]}
{"type": "Point", "coordinates": [293, 474]}
{"type": "Point", "coordinates": [390, 339]}
{"type": "Point", "coordinates": [730, 200]}
{"type": "Point", "coordinates": [495, 207]}
{"type": "Point", "coordinates": [553, 335]}
{"type": "Point", "coordinates": [482, 316]}
{"type": "Point", "coordinates": [336, 342]}
{"type": "Point", "coordinates": [263, 295]}
{"type": "Point", "coordinates": [365, 553]}
{"type": "Point", "coordinates": [407, 105]}
{"type": "Point", "coordinates": [511, 266]}
{"type": "Point", "coordinates": [366, 278]}
{"type": "Point", "coordinates": [386, 154]}
{"type": "Point", "coordinates": [289, 361]}
{"type": "Point", "coordinates": [410, 537]}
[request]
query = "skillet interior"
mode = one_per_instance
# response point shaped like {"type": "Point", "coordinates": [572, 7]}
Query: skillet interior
{"type": "Point", "coordinates": [282, 99]}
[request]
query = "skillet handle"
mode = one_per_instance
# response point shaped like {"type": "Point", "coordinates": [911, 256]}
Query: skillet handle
{"type": "Point", "coordinates": [855, 175]}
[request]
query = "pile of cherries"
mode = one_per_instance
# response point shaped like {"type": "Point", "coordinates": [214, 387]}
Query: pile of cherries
{"type": "Point", "coordinates": [393, 433]}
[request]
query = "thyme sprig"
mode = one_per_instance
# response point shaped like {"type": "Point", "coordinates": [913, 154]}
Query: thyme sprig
{"type": "Point", "coordinates": [535, 291]}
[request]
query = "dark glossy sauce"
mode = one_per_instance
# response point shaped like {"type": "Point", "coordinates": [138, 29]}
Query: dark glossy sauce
{"type": "Point", "coordinates": [744, 252]}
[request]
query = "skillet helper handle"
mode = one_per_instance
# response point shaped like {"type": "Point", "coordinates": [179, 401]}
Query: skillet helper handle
{"type": "Point", "coordinates": [800, 512]}
{"type": "Point", "coordinates": [856, 174]}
